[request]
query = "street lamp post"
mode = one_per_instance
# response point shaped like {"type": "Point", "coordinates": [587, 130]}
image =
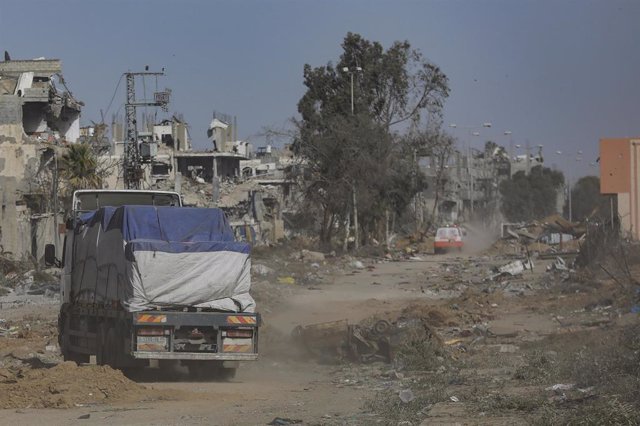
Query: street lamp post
{"type": "Point", "coordinates": [351, 72]}
{"type": "Point", "coordinates": [578, 158]}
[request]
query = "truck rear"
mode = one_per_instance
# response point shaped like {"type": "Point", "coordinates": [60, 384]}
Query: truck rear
{"type": "Point", "coordinates": [155, 281]}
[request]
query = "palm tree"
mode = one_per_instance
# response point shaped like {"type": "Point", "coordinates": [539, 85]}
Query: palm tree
{"type": "Point", "coordinates": [79, 168]}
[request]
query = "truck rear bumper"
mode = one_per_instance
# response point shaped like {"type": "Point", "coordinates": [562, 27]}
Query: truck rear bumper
{"type": "Point", "coordinates": [448, 244]}
{"type": "Point", "coordinates": [195, 356]}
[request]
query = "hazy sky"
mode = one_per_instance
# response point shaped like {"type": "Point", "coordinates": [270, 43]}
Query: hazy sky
{"type": "Point", "coordinates": [557, 73]}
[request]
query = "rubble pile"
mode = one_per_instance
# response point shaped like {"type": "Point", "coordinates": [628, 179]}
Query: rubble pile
{"type": "Point", "coordinates": [550, 236]}
{"type": "Point", "coordinates": [22, 283]}
{"type": "Point", "coordinates": [373, 339]}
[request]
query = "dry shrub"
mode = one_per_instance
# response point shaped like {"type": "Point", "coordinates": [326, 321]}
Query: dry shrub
{"type": "Point", "coordinates": [501, 403]}
{"type": "Point", "coordinates": [422, 355]}
{"type": "Point", "coordinates": [605, 365]}
{"type": "Point", "coordinates": [428, 391]}
{"type": "Point", "coordinates": [538, 368]}
{"type": "Point", "coordinates": [604, 411]}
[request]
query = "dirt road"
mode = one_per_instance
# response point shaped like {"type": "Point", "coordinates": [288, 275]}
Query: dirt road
{"type": "Point", "coordinates": [276, 386]}
{"type": "Point", "coordinates": [281, 384]}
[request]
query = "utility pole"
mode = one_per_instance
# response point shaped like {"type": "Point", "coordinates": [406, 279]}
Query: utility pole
{"type": "Point", "coordinates": [132, 168]}
{"type": "Point", "coordinates": [570, 204]}
{"type": "Point", "coordinates": [352, 109]}
{"type": "Point", "coordinates": [353, 183]}
{"type": "Point", "coordinates": [470, 176]}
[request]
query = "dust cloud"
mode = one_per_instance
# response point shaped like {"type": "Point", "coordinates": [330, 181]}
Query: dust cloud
{"type": "Point", "coordinates": [479, 238]}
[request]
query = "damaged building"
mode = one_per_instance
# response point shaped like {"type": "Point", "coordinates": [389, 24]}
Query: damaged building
{"type": "Point", "coordinates": [467, 185]}
{"type": "Point", "coordinates": [38, 116]}
{"type": "Point", "coordinates": [251, 187]}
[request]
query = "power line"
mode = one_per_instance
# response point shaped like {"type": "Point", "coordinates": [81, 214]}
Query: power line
{"type": "Point", "coordinates": [114, 95]}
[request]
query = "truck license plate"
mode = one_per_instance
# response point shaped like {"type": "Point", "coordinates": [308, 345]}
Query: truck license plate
{"type": "Point", "coordinates": [152, 343]}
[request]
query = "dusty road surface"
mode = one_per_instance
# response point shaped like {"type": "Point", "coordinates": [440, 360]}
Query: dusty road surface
{"type": "Point", "coordinates": [487, 329]}
{"type": "Point", "coordinates": [279, 384]}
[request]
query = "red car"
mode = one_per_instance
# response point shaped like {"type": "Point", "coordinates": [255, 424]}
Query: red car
{"type": "Point", "coordinates": [447, 238]}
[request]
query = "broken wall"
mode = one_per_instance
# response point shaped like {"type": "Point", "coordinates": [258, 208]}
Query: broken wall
{"type": "Point", "coordinates": [19, 164]}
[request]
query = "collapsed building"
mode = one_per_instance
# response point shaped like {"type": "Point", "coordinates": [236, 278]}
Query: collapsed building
{"type": "Point", "coordinates": [464, 186]}
{"type": "Point", "coordinates": [38, 116]}
{"type": "Point", "coordinates": [251, 187]}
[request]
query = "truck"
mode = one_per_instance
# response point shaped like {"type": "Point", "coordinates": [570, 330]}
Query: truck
{"type": "Point", "coordinates": [145, 278]}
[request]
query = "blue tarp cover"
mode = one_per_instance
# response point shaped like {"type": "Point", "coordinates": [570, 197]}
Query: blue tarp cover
{"type": "Point", "coordinates": [149, 256]}
{"type": "Point", "coordinates": [172, 224]}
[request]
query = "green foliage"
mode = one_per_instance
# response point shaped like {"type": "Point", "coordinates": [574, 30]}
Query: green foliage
{"type": "Point", "coordinates": [79, 168]}
{"type": "Point", "coordinates": [586, 200]}
{"type": "Point", "coordinates": [347, 151]}
{"type": "Point", "coordinates": [532, 196]}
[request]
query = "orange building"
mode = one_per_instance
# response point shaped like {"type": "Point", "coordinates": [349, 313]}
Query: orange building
{"type": "Point", "coordinates": [620, 175]}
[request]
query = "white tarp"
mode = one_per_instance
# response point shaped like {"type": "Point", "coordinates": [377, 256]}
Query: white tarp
{"type": "Point", "coordinates": [143, 257]}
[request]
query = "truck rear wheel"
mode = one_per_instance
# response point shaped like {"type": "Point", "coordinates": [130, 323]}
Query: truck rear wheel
{"type": "Point", "coordinates": [108, 347]}
{"type": "Point", "coordinates": [63, 342]}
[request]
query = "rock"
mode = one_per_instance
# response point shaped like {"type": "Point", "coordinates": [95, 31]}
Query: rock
{"type": "Point", "coordinates": [313, 256]}
{"type": "Point", "coordinates": [261, 270]}
{"type": "Point", "coordinates": [509, 349]}
{"type": "Point", "coordinates": [406, 395]}
{"type": "Point", "coordinates": [51, 348]}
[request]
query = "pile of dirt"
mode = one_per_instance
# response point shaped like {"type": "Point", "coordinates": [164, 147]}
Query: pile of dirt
{"type": "Point", "coordinates": [504, 247]}
{"type": "Point", "coordinates": [66, 385]}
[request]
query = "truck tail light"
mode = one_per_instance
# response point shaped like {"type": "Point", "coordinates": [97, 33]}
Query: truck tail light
{"type": "Point", "coordinates": [150, 331]}
{"type": "Point", "coordinates": [240, 333]}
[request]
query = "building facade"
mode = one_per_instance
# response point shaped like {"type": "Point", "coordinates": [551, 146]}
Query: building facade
{"type": "Point", "coordinates": [620, 176]}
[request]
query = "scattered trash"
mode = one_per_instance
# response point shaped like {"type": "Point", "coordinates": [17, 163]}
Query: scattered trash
{"type": "Point", "coordinates": [280, 421]}
{"type": "Point", "coordinates": [454, 399]}
{"type": "Point", "coordinates": [561, 386]}
{"type": "Point", "coordinates": [11, 331]}
{"type": "Point", "coordinates": [371, 340]}
{"type": "Point", "coordinates": [514, 268]}
{"type": "Point", "coordinates": [287, 280]}
{"type": "Point", "coordinates": [558, 265]}
{"type": "Point", "coordinates": [356, 264]}
{"type": "Point", "coordinates": [406, 395]}
{"type": "Point", "coordinates": [509, 349]}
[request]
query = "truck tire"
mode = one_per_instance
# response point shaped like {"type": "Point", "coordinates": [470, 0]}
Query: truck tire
{"type": "Point", "coordinates": [63, 342]}
{"type": "Point", "coordinates": [113, 349]}
{"type": "Point", "coordinates": [100, 346]}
